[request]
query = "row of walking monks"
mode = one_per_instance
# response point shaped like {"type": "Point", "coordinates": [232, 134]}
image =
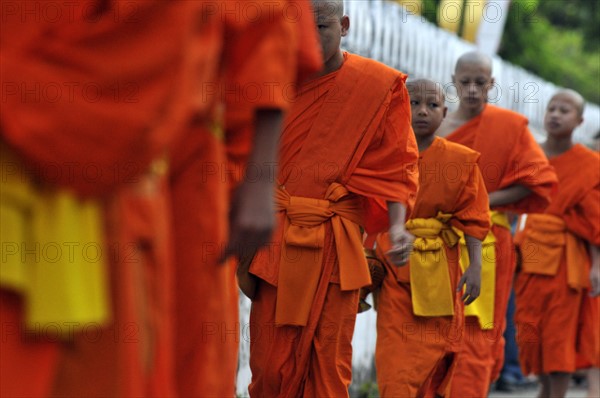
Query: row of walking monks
{"type": "Point", "coordinates": [129, 220]}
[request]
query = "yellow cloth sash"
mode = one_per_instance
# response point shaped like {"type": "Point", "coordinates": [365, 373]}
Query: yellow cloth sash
{"type": "Point", "coordinates": [52, 252]}
{"type": "Point", "coordinates": [544, 240]}
{"type": "Point", "coordinates": [483, 307]}
{"type": "Point", "coordinates": [430, 285]}
{"type": "Point", "coordinates": [302, 249]}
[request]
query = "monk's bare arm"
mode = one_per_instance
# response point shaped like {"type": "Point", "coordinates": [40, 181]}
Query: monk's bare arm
{"type": "Point", "coordinates": [509, 195]}
{"type": "Point", "coordinates": [472, 276]}
{"type": "Point", "coordinates": [400, 238]}
{"type": "Point", "coordinates": [252, 210]}
{"type": "Point", "coordinates": [595, 271]}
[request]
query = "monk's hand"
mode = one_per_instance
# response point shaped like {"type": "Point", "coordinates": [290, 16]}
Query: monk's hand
{"type": "Point", "coordinates": [251, 220]}
{"type": "Point", "coordinates": [471, 280]}
{"type": "Point", "coordinates": [402, 244]}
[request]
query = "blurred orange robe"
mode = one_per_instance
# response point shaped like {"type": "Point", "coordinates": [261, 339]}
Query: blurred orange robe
{"type": "Point", "coordinates": [260, 63]}
{"type": "Point", "coordinates": [333, 160]}
{"type": "Point", "coordinates": [509, 155]}
{"type": "Point", "coordinates": [552, 285]}
{"type": "Point", "coordinates": [416, 355]}
{"type": "Point", "coordinates": [93, 97]}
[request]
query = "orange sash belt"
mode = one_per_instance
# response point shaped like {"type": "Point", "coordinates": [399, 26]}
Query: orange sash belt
{"type": "Point", "coordinates": [543, 242]}
{"type": "Point", "coordinates": [303, 245]}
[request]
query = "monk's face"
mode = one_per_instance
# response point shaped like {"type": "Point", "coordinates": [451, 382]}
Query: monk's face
{"type": "Point", "coordinates": [562, 116]}
{"type": "Point", "coordinates": [473, 81]}
{"type": "Point", "coordinates": [332, 27]}
{"type": "Point", "coordinates": [427, 107]}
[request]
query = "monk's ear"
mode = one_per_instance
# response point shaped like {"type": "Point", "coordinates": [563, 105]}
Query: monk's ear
{"type": "Point", "coordinates": [492, 82]}
{"type": "Point", "coordinates": [345, 22]}
{"type": "Point", "coordinates": [453, 80]}
{"type": "Point", "coordinates": [445, 111]}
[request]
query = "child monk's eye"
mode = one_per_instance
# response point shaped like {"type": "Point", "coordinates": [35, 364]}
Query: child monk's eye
{"type": "Point", "coordinates": [414, 102]}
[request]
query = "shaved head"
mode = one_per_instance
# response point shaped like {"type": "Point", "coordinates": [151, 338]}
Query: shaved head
{"type": "Point", "coordinates": [474, 58]}
{"type": "Point", "coordinates": [572, 96]}
{"type": "Point", "coordinates": [473, 80]}
{"type": "Point", "coordinates": [329, 7]}
{"type": "Point", "coordinates": [425, 84]}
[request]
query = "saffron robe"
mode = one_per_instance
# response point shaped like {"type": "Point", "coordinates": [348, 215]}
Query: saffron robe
{"type": "Point", "coordinates": [509, 155]}
{"type": "Point", "coordinates": [553, 282]}
{"type": "Point", "coordinates": [259, 65]}
{"type": "Point", "coordinates": [92, 99]}
{"type": "Point", "coordinates": [332, 159]}
{"type": "Point", "coordinates": [415, 355]}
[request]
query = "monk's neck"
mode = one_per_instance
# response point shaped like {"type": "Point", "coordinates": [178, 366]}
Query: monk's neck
{"type": "Point", "coordinates": [555, 146]}
{"type": "Point", "coordinates": [334, 63]}
{"type": "Point", "coordinates": [466, 114]}
{"type": "Point", "coordinates": [425, 142]}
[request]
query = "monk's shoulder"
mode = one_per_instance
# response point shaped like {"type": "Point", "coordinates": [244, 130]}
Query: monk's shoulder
{"type": "Point", "coordinates": [457, 152]}
{"type": "Point", "coordinates": [585, 156]}
{"type": "Point", "coordinates": [505, 116]}
{"type": "Point", "coordinates": [377, 71]}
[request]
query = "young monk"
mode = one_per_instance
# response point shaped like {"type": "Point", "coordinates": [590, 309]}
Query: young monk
{"type": "Point", "coordinates": [346, 140]}
{"type": "Point", "coordinates": [518, 178]}
{"type": "Point", "coordinates": [420, 307]}
{"type": "Point", "coordinates": [558, 248]}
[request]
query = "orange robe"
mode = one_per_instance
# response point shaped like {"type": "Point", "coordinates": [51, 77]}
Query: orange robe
{"type": "Point", "coordinates": [552, 285]}
{"type": "Point", "coordinates": [509, 155]}
{"type": "Point", "coordinates": [415, 355]}
{"type": "Point", "coordinates": [259, 66]}
{"type": "Point", "coordinates": [93, 96]}
{"type": "Point", "coordinates": [332, 160]}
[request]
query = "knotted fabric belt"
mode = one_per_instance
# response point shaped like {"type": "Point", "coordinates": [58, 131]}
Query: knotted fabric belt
{"type": "Point", "coordinates": [430, 286]}
{"type": "Point", "coordinates": [543, 243]}
{"type": "Point", "coordinates": [303, 248]}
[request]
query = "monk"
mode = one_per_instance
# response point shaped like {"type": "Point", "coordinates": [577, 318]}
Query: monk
{"type": "Point", "coordinates": [420, 305]}
{"type": "Point", "coordinates": [560, 269]}
{"type": "Point", "coordinates": [590, 332]}
{"type": "Point", "coordinates": [93, 98]}
{"type": "Point", "coordinates": [519, 179]}
{"type": "Point", "coordinates": [346, 141]}
{"type": "Point", "coordinates": [266, 54]}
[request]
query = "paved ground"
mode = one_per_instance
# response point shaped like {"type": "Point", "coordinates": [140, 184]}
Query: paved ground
{"type": "Point", "coordinates": [574, 392]}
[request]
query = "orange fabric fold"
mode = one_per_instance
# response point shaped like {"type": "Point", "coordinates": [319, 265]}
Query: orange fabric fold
{"type": "Point", "coordinates": [302, 249]}
{"type": "Point", "coordinates": [503, 161]}
{"type": "Point", "coordinates": [93, 98]}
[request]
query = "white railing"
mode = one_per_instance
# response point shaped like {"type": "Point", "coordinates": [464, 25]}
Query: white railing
{"type": "Point", "coordinates": [384, 31]}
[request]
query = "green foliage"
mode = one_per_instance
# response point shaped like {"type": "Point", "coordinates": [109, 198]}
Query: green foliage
{"type": "Point", "coordinates": [368, 390]}
{"type": "Point", "coordinates": [549, 39]}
